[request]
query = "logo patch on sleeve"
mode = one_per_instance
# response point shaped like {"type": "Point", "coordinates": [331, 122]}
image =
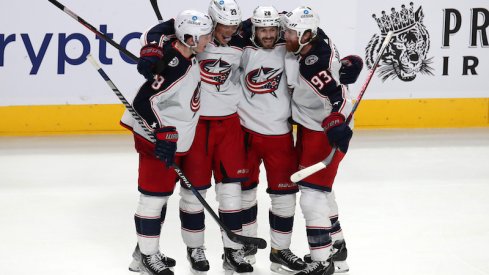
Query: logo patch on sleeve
{"type": "Point", "coordinates": [312, 59]}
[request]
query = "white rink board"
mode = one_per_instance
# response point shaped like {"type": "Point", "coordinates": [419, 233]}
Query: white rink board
{"type": "Point", "coordinates": [33, 70]}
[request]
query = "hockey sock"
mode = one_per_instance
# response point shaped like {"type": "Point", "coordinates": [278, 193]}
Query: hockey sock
{"type": "Point", "coordinates": [148, 222]}
{"type": "Point", "coordinates": [192, 218]}
{"type": "Point", "coordinates": [314, 205]}
{"type": "Point", "coordinates": [229, 198]}
{"type": "Point", "coordinates": [281, 218]}
{"type": "Point", "coordinates": [336, 231]}
{"type": "Point", "coordinates": [249, 212]}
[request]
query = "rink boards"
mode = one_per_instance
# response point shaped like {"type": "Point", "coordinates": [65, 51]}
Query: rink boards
{"type": "Point", "coordinates": [434, 75]}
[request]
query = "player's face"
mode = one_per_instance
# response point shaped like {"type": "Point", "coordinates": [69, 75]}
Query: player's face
{"type": "Point", "coordinates": [203, 41]}
{"type": "Point", "coordinates": [266, 36]}
{"type": "Point", "coordinates": [223, 33]}
{"type": "Point", "coordinates": [291, 40]}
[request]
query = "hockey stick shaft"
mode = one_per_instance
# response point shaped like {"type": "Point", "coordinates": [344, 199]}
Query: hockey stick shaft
{"type": "Point", "coordinates": [154, 4]}
{"type": "Point", "coordinates": [260, 243]}
{"type": "Point", "coordinates": [94, 30]}
{"type": "Point", "coordinates": [306, 172]}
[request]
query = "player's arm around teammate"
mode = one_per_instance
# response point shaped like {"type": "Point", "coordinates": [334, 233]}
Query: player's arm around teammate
{"type": "Point", "coordinates": [168, 102]}
{"type": "Point", "coordinates": [319, 105]}
{"type": "Point", "coordinates": [264, 112]}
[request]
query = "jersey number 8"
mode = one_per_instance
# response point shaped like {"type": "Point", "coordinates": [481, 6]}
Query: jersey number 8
{"type": "Point", "coordinates": [158, 82]}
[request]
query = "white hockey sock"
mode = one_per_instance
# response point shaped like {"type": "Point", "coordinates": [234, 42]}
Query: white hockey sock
{"type": "Point", "coordinates": [229, 198]}
{"type": "Point", "coordinates": [315, 208]}
{"type": "Point", "coordinates": [249, 212]}
{"type": "Point", "coordinates": [148, 222]}
{"type": "Point", "coordinates": [336, 230]}
{"type": "Point", "coordinates": [192, 218]}
{"type": "Point", "coordinates": [281, 220]}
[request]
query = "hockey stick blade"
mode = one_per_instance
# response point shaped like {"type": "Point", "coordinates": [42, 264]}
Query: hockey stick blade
{"type": "Point", "coordinates": [258, 242]}
{"type": "Point", "coordinates": [306, 172]}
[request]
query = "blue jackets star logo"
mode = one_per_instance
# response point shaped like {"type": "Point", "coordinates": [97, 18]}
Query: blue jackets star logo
{"type": "Point", "coordinates": [263, 81]}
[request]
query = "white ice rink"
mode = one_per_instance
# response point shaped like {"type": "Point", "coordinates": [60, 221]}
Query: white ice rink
{"type": "Point", "coordinates": [411, 202]}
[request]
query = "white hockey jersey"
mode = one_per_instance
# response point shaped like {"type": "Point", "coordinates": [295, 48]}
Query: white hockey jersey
{"type": "Point", "coordinates": [317, 91]}
{"type": "Point", "coordinates": [265, 106]}
{"type": "Point", "coordinates": [219, 70]}
{"type": "Point", "coordinates": [219, 74]}
{"type": "Point", "coordinates": [171, 100]}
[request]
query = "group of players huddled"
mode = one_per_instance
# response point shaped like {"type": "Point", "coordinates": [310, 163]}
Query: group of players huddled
{"type": "Point", "coordinates": [221, 97]}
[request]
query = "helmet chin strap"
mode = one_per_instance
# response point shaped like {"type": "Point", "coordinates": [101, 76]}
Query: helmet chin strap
{"type": "Point", "coordinates": [192, 48]}
{"type": "Point", "coordinates": [301, 45]}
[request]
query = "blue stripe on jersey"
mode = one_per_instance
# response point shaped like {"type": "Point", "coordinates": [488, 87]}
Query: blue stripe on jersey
{"type": "Point", "coordinates": [281, 224]}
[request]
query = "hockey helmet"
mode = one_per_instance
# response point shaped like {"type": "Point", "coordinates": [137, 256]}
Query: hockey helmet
{"type": "Point", "coordinates": [225, 12]}
{"type": "Point", "coordinates": [302, 19]}
{"type": "Point", "coordinates": [192, 23]}
{"type": "Point", "coordinates": [264, 16]}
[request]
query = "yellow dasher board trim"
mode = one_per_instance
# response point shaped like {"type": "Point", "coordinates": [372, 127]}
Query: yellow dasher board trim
{"type": "Point", "coordinates": [423, 113]}
{"type": "Point", "coordinates": [61, 119]}
{"type": "Point", "coordinates": [371, 114]}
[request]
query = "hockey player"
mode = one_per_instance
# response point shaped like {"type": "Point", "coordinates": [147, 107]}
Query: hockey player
{"type": "Point", "coordinates": [264, 112]}
{"type": "Point", "coordinates": [218, 148]}
{"type": "Point", "coordinates": [169, 104]}
{"type": "Point", "coordinates": [218, 145]}
{"type": "Point", "coordinates": [320, 104]}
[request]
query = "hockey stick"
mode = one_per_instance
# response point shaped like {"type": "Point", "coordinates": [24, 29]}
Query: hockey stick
{"type": "Point", "coordinates": [306, 172]}
{"type": "Point", "coordinates": [258, 242]}
{"type": "Point", "coordinates": [154, 3]}
{"type": "Point", "coordinates": [94, 30]}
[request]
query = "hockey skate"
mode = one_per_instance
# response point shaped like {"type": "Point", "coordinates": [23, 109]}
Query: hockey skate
{"type": "Point", "coordinates": [250, 251]}
{"type": "Point", "coordinates": [135, 265]}
{"type": "Point", "coordinates": [340, 253]}
{"type": "Point", "coordinates": [234, 262]}
{"type": "Point", "coordinates": [198, 261]}
{"type": "Point", "coordinates": [154, 265]}
{"type": "Point", "coordinates": [318, 268]}
{"type": "Point", "coordinates": [285, 262]}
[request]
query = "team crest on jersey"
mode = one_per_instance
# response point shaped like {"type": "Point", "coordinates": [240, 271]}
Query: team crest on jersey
{"type": "Point", "coordinates": [406, 54]}
{"type": "Point", "coordinates": [174, 62]}
{"type": "Point", "coordinates": [263, 81]}
{"type": "Point", "coordinates": [214, 71]}
{"type": "Point", "coordinates": [195, 102]}
{"type": "Point", "coordinates": [311, 59]}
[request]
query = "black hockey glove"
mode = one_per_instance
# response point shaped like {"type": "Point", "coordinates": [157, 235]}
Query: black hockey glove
{"type": "Point", "coordinates": [149, 57]}
{"type": "Point", "coordinates": [351, 66]}
{"type": "Point", "coordinates": [166, 144]}
{"type": "Point", "coordinates": [338, 132]}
